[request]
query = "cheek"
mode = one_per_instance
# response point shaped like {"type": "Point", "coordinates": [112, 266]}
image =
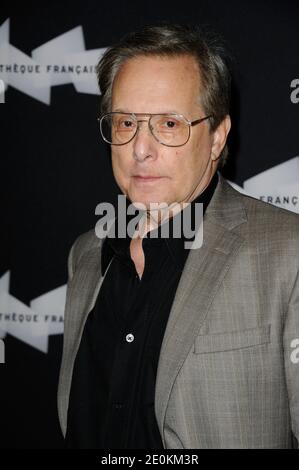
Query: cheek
{"type": "Point", "coordinates": [183, 164]}
{"type": "Point", "coordinates": [201, 145]}
{"type": "Point", "coordinates": [119, 162]}
{"type": "Point", "coordinates": [199, 152]}
{"type": "Point", "coordinates": [120, 171]}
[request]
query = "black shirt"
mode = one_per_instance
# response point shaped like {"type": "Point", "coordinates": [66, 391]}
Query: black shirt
{"type": "Point", "coordinates": [113, 386]}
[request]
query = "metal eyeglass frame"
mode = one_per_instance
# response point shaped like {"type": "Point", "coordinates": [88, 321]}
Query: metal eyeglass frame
{"type": "Point", "coordinates": [134, 115]}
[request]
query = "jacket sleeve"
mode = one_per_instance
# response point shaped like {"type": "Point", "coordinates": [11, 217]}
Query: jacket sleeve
{"type": "Point", "coordinates": [70, 262]}
{"type": "Point", "coordinates": [291, 357]}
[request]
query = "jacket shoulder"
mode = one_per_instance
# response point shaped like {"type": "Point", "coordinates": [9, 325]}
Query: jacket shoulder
{"type": "Point", "coordinates": [83, 243]}
{"type": "Point", "coordinates": [272, 226]}
{"type": "Point", "coordinates": [257, 208]}
{"type": "Point", "coordinates": [275, 217]}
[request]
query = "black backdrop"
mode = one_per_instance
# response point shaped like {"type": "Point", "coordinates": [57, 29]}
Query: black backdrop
{"type": "Point", "coordinates": [55, 170]}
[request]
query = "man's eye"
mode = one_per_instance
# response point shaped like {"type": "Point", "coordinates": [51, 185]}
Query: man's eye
{"type": "Point", "coordinates": [170, 124]}
{"type": "Point", "coordinates": [124, 123]}
{"type": "Point", "coordinates": [128, 123]}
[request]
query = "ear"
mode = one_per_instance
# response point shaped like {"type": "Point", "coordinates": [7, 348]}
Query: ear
{"type": "Point", "coordinates": [219, 137]}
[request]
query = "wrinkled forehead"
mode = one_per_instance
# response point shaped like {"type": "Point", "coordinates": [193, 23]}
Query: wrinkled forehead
{"type": "Point", "coordinates": [147, 84]}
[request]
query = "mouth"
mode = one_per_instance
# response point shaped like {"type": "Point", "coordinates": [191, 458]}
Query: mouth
{"type": "Point", "coordinates": [146, 179]}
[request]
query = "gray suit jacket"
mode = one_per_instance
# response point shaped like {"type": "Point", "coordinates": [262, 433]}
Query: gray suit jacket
{"type": "Point", "coordinates": [228, 373]}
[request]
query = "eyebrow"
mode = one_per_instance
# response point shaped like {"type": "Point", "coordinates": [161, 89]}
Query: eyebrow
{"type": "Point", "coordinates": [127, 111]}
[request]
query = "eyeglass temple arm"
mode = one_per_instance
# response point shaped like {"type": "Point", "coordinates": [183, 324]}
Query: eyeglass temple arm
{"type": "Point", "coordinates": [197, 121]}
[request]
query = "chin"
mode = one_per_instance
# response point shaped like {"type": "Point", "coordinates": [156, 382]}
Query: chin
{"type": "Point", "coordinates": [147, 199]}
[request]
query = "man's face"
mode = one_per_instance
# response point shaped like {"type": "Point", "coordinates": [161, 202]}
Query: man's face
{"type": "Point", "coordinates": [163, 85]}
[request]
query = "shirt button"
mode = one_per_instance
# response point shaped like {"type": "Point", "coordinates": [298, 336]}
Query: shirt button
{"type": "Point", "coordinates": [130, 338]}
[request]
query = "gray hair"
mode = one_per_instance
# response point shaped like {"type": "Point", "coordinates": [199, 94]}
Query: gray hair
{"type": "Point", "coordinates": [170, 41]}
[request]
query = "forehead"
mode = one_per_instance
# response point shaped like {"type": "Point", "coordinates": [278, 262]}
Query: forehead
{"type": "Point", "coordinates": [154, 83]}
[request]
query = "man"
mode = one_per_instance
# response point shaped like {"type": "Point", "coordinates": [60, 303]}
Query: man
{"type": "Point", "coordinates": [166, 346]}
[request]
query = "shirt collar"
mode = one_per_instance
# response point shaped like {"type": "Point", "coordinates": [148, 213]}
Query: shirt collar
{"type": "Point", "coordinates": [175, 246]}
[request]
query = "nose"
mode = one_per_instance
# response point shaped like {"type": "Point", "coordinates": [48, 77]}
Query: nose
{"type": "Point", "coordinates": [144, 145]}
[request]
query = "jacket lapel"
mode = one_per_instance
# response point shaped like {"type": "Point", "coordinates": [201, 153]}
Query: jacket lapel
{"type": "Point", "coordinates": [84, 289]}
{"type": "Point", "coordinates": [81, 296]}
{"type": "Point", "coordinates": [203, 273]}
{"type": "Point", "coordinates": [86, 283]}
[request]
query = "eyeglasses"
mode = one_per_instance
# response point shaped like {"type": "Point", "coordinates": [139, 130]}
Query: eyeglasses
{"type": "Point", "coordinates": [172, 130]}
